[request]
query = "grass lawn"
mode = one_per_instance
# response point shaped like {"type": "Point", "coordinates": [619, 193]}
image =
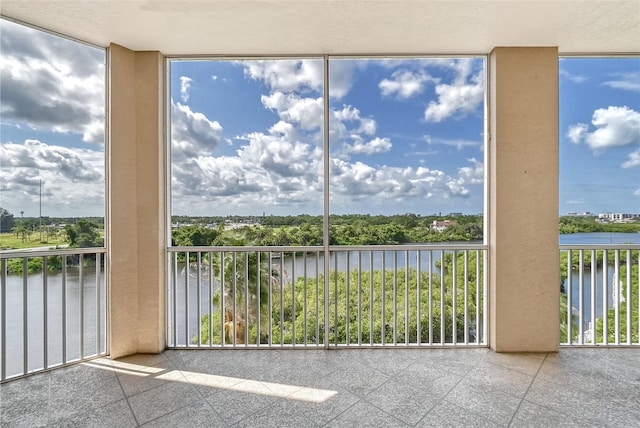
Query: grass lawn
{"type": "Point", "coordinates": [11, 241]}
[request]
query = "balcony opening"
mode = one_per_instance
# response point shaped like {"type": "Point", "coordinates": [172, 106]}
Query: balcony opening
{"type": "Point", "coordinates": [52, 196]}
{"type": "Point", "coordinates": [327, 201]}
{"type": "Point", "coordinates": [599, 200]}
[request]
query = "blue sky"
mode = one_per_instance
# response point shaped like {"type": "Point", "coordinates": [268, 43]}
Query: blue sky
{"type": "Point", "coordinates": [600, 135]}
{"type": "Point", "coordinates": [52, 108]}
{"type": "Point", "coordinates": [406, 134]}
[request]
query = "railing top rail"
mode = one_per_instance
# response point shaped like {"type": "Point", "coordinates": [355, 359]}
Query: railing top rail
{"type": "Point", "coordinates": [13, 254]}
{"type": "Point", "coordinates": [409, 247]}
{"type": "Point", "coordinates": [243, 249]}
{"type": "Point", "coordinates": [319, 248]}
{"type": "Point", "coordinates": [600, 247]}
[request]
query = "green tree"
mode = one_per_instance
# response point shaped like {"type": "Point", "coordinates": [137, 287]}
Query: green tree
{"type": "Point", "coordinates": [6, 221]}
{"type": "Point", "coordinates": [84, 234]}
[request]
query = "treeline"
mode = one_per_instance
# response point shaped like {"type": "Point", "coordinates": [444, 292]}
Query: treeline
{"type": "Point", "coordinates": [366, 307]}
{"type": "Point", "coordinates": [307, 230]}
{"type": "Point", "coordinates": [83, 234]}
{"type": "Point", "coordinates": [571, 224]}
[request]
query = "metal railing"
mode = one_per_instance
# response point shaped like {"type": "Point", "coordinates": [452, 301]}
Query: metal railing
{"type": "Point", "coordinates": [53, 309]}
{"type": "Point", "coordinates": [599, 302]}
{"type": "Point", "coordinates": [360, 296]}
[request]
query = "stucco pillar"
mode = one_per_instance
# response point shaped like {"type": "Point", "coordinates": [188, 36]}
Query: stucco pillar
{"type": "Point", "coordinates": [524, 272]}
{"type": "Point", "coordinates": [136, 186]}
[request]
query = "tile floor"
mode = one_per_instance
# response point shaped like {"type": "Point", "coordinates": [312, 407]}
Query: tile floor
{"type": "Point", "coordinates": [338, 388]}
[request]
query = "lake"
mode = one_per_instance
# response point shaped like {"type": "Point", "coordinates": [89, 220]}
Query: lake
{"type": "Point", "coordinates": [291, 269]}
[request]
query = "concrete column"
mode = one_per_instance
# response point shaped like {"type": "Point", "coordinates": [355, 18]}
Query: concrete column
{"type": "Point", "coordinates": [524, 271]}
{"type": "Point", "coordinates": [136, 185]}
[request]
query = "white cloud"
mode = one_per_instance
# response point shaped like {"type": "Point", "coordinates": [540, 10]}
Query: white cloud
{"type": "Point", "coordinates": [575, 78]}
{"type": "Point", "coordinates": [626, 81]}
{"type": "Point", "coordinates": [70, 177]}
{"type": "Point", "coordinates": [51, 83]}
{"type": "Point", "coordinates": [577, 133]}
{"type": "Point", "coordinates": [192, 133]}
{"type": "Point", "coordinates": [457, 143]}
{"type": "Point", "coordinates": [307, 113]}
{"type": "Point", "coordinates": [404, 84]}
{"type": "Point", "coordinates": [341, 76]}
{"type": "Point", "coordinates": [634, 160]}
{"type": "Point", "coordinates": [287, 75]}
{"type": "Point", "coordinates": [615, 127]}
{"type": "Point", "coordinates": [280, 170]}
{"type": "Point", "coordinates": [473, 174]}
{"type": "Point", "coordinates": [461, 97]}
{"type": "Point", "coordinates": [637, 192]}
{"type": "Point", "coordinates": [377, 145]}
{"type": "Point", "coordinates": [340, 121]}
{"type": "Point", "coordinates": [185, 88]}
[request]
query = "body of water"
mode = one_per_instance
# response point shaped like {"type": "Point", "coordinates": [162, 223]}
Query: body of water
{"type": "Point", "coordinates": [290, 268]}
{"type": "Point", "coordinates": [78, 321]}
{"type": "Point", "coordinates": [600, 238]}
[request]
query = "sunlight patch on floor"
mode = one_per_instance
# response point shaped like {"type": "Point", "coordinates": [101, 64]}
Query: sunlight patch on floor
{"type": "Point", "coordinates": [294, 392]}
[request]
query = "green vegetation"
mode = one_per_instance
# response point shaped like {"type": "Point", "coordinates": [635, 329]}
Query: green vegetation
{"type": "Point", "coordinates": [296, 318]}
{"type": "Point", "coordinates": [624, 328]}
{"type": "Point", "coordinates": [83, 234]}
{"type": "Point", "coordinates": [571, 224]}
{"type": "Point", "coordinates": [596, 258]}
{"type": "Point", "coordinates": [305, 230]}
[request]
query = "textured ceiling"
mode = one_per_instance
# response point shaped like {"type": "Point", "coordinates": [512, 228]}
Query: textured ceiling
{"type": "Point", "coordinates": [339, 26]}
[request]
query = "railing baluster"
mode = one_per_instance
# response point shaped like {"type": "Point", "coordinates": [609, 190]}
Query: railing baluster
{"type": "Point", "coordinates": [442, 298]}
{"type": "Point", "coordinates": [371, 300]}
{"type": "Point", "coordinates": [384, 303]}
{"type": "Point", "coordinates": [282, 284]}
{"type": "Point", "coordinates": [592, 325]}
{"type": "Point", "coordinates": [81, 303]}
{"type": "Point", "coordinates": [64, 309]}
{"type": "Point", "coordinates": [454, 285]}
{"type": "Point", "coordinates": [581, 297]}
{"type": "Point", "coordinates": [395, 297]}
{"type": "Point", "coordinates": [359, 297]}
{"type": "Point", "coordinates": [258, 298]}
{"type": "Point", "coordinates": [616, 297]}
{"type": "Point", "coordinates": [466, 297]}
{"type": "Point", "coordinates": [605, 297]}
{"type": "Point", "coordinates": [98, 282]}
{"type": "Point", "coordinates": [211, 281]}
{"type": "Point", "coordinates": [186, 299]}
{"type": "Point", "coordinates": [479, 286]}
{"type": "Point", "coordinates": [569, 297]}
{"type": "Point", "coordinates": [199, 294]}
{"type": "Point", "coordinates": [247, 297]}
{"type": "Point", "coordinates": [336, 293]}
{"type": "Point", "coordinates": [270, 300]}
{"type": "Point", "coordinates": [406, 297]}
{"type": "Point", "coordinates": [45, 315]}
{"type": "Point", "coordinates": [174, 302]}
{"type": "Point", "coordinates": [3, 320]}
{"type": "Point", "coordinates": [304, 302]}
{"type": "Point", "coordinates": [628, 297]}
{"type": "Point", "coordinates": [348, 299]}
{"type": "Point", "coordinates": [318, 341]}
{"type": "Point", "coordinates": [418, 297]}
{"type": "Point", "coordinates": [25, 314]}
{"type": "Point", "coordinates": [430, 299]}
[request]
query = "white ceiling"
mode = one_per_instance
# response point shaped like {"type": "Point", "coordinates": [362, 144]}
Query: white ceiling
{"type": "Point", "coordinates": [339, 26]}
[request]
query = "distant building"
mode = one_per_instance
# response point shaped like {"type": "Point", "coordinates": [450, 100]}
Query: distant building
{"type": "Point", "coordinates": [617, 217]}
{"type": "Point", "coordinates": [441, 226]}
{"type": "Point", "coordinates": [575, 214]}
